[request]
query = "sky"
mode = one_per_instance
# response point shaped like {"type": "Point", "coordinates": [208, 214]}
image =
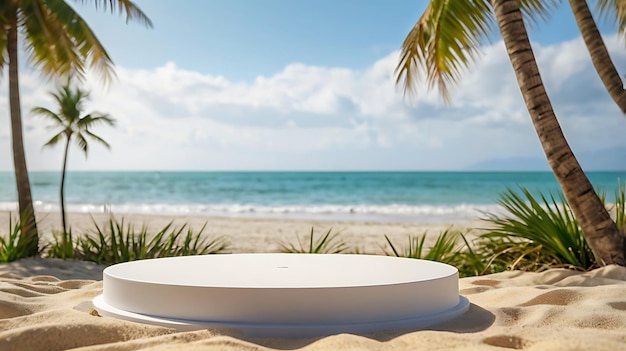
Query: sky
{"type": "Point", "coordinates": [310, 85]}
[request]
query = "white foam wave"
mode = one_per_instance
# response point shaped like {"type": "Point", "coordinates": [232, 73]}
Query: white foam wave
{"type": "Point", "coordinates": [394, 212]}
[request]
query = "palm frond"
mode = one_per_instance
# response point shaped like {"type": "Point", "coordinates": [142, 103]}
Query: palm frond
{"type": "Point", "coordinates": [443, 43]}
{"type": "Point", "coordinates": [613, 12]}
{"type": "Point", "coordinates": [133, 13]}
{"type": "Point", "coordinates": [55, 139]}
{"type": "Point", "coordinates": [44, 112]}
{"type": "Point", "coordinates": [98, 139]}
{"type": "Point", "coordinates": [93, 119]}
{"type": "Point", "coordinates": [50, 47]}
{"type": "Point", "coordinates": [447, 39]}
{"type": "Point", "coordinates": [82, 143]}
{"type": "Point", "coordinates": [84, 42]}
{"type": "Point", "coordinates": [537, 11]}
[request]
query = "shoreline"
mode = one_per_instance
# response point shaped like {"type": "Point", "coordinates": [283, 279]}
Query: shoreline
{"type": "Point", "coordinates": [385, 213]}
{"type": "Point", "coordinates": [256, 234]}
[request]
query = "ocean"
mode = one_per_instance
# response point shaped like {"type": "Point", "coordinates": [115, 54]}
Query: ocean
{"type": "Point", "coordinates": [433, 197]}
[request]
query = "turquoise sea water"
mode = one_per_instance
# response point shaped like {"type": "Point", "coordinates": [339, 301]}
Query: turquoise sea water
{"type": "Point", "coordinates": [375, 196]}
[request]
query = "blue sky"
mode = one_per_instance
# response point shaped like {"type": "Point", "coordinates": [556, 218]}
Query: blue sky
{"type": "Point", "coordinates": [308, 85]}
{"type": "Point", "coordinates": [242, 39]}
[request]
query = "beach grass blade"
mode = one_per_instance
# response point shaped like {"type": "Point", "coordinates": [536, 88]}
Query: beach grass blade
{"type": "Point", "coordinates": [329, 243]}
{"type": "Point", "coordinates": [15, 246]}
{"type": "Point", "coordinates": [197, 244]}
{"type": "Point", "coordinates": [620, 206]}
{"type": "Point", "coordinates": [469, 261]}
{"type": "Point", "coordinates": [445, 249]}
{"type": "Point", "coordinates": [414, 249]}
{"type": "Point", "coordinates": [442, 250]}
{"type": "Point", "coordinates": [63, 245]}
{"type": "Point", "coordinates": [122, 243]}
{"type": "Point", "coordinates": [547, 222]}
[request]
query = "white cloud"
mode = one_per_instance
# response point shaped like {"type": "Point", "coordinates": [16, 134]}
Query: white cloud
{"type": "Point", "coordinates": [328, 118]}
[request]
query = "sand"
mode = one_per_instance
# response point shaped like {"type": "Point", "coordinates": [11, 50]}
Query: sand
{"type": "Point", "coordinates": [45, 304]}
{"type": "Point", "coordinates": [257, 234]}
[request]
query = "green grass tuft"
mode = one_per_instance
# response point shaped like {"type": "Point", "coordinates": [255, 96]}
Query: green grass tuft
{"type": "Point", "coordinates": [63, 245]}
{"type": "Point", "coordinates": [329, 243]}
{"type": "Point", "coordinates": [15, 246]}
{"type": "Point", "coordinates": [536, 234]}
{"type": "Point", "coordinates": [446, 249]}
{"type": "Point", "coordinates": [116, 242]}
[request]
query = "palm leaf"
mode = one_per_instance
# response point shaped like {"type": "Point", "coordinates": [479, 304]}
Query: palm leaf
{"type": "Point", "coordinates": [131, 10]}
{"type": "Point", "coordinates": [98, 139]}
{"type": "Point", "coordinates": [60, 41]}
{"type": "Point", "coordinates": [536, 11]}
{"type": "Point", "coordinates": [51, 47]}
{"type": "Point", "coordinates": [44, 112]}
{"type": "Point", "coordinates": [55, 139]}
{"type": "Point", "coordinates": [613, 12]}
{"type": "Point", "coordinates": [444, 42]}
{"type": "Point", "coordinates": [447, 38]}
{"type": "Point", "coordinates": [82, 143]}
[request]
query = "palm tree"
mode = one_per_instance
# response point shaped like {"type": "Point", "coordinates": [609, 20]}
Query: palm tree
{"type": "Point", "coordinates": [446, 40]}
{"type": "Point", "coordinates": [616, 11]}
{"type": "Point", "coordinates": [72, 125]}
{"type": "Point", "coordinates": [58, 42]}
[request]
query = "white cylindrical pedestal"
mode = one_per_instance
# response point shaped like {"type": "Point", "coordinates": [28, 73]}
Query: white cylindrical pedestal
{"type": "Point", "coordinates": [289, 295]}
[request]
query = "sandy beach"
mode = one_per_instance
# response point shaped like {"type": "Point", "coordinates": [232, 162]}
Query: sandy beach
{"type": "Point", "coordinates": [257, 234]}
{"type": "Point", "coordinates": [45, 304]}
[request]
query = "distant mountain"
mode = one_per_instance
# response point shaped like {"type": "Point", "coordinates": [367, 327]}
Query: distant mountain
{"type": "Point", "coordinates": [613, 159]}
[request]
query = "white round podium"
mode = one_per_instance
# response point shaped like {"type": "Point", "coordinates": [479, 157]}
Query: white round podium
{"type": "Point", "coordinates": [283, 295]}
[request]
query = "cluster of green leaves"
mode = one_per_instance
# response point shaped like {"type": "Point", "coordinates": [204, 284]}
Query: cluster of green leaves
{"type": "Point", "coordinates": [535, 234]}
{"type": "Point", "coordinates": [116, 242]}
{"type": "Point", "coordinates": [63, 245]}
{"type": "Point", "coordinates": [443, 250]}
{"type": "Point", "coordinates": [15, 246]}
{"type": "Point", "coordinates": [329, 243]}
{"type": "Point", "coordinates": [450, 247]}
{"type": "Point", "coordinates": [447, 248]}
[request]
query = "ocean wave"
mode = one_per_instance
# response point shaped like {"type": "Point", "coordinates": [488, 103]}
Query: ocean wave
{"type": "Point", "coordinates": [393, 212]}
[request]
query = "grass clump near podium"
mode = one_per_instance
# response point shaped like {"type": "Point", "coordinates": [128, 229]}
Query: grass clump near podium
{"type": "Point", "coordinates": [117, 242]}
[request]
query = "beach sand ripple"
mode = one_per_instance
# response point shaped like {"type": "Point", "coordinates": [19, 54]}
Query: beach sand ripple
{"type": "Point", "coordinates": [45, 304]}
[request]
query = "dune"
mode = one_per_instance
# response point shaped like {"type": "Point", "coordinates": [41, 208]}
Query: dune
{"type": "Point", "coordinates": [45, 304]}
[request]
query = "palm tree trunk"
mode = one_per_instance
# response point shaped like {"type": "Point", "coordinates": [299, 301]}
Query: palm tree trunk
{"type": "Point", "coordinates": [27, 214]}
{"type": "Point", "coordinates": [599, 54]}
{"type": "Point", "coordinates": [600, 231]}
{"type": "Point", "coordinates": [67, 147]}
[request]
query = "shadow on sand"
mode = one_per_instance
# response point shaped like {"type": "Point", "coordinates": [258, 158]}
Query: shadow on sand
{"type": "Point", "coordinates": [476, 319]}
